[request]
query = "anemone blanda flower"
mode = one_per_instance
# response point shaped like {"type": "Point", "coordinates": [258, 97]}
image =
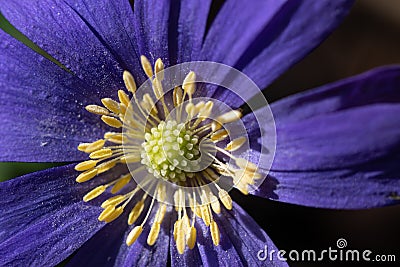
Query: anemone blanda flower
{"type": "Point", "coordinates": [337, 145]}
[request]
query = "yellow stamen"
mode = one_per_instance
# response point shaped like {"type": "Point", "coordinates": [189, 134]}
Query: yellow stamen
{"type": "Point", "coordinates": [105, 166]}
{"type": "Point", "coordinates": [216, 207]}
{"type": "Point", "coordinates": [86, 165]}
{"type": "Point", "coordinates": [189, 85]}
{"type": "Point", "coordinates": [180, 237]}
{"type": "Point", "coordinates": [159, 69]}
{"type": "Point", "coordinates": [96, 145]}
{"type": "Point", "coordinates": [236, 144]}
{"type": "Point", "coordinates": [191, 240]}
{"type": "Point", "coordinates": [219, 135]}
{"type": "Point", "coordinates": [123, 98]}
{"type": "Point", "coordinates": [97, 110]}
{"type": "Point", "coordinates": [130, 158]}
{"type": "Point", "coordinates": [102, 153]}
{"type": "Point", "coordinates": [135, 212]}
{"type": "Point", "coordinates": [120, 184]}
{"type": "Point", "coordinates": [215, 233]}
{"type": "Point", "coordinates": [111, 121]}
{"type": "Point", "coordinates": [146, 66]}
{"type": "Point", "coordinates": [154, 231]}
{"type": "Point", "coordinates": [205, 214]}
{"type": "Point", "coordinates": [111, 105]}
{"type": "Point", "coordinates": [114, 215]}
{"type": "Point", "coordinates": [134, 234]}
{"type": "Point", "coordinates": [225, 199]}
{"type": "Point", "coordinates": [177, 96]}
{"type": "Point", "coordinates": [129, 81]}
{"type": "Point", "coordinates": [86, 176]}
{"type": "Point", "coordinates": [94, 193]}
{"type": "Point", "coordinates": [113, 201]}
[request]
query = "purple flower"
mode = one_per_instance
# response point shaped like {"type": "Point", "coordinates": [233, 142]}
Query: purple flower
{"type": "Point", "coordinates": [337, 145]}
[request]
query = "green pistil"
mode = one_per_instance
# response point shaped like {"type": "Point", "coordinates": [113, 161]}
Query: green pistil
{"type": "Point", "coordinates": [170, 151]}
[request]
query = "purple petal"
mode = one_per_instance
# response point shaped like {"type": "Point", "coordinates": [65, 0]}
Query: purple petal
{"type": "Point", "coordinates": [295, 30]}
{"type": "Point", "coordinates": [42, 108]}
{"type": "Point", "coordinates": [191, 28]}
{"type": "Point", "coordinates": [151, 21]}
{"type": "Point", "coordinates": [113, 250]}
{"type": "Point", "coordinates": [43, 218]}
{"type": "Point", "coordinates": [236, 26]}
{"type": "Point", "coordinates": [241, 240]}
{"type": "Point", "coordinates": [344, 124]}
{"type": "Point", "coordinates": [77, 41]}
{"type": "Point", "coordinates": [274, 35]}
{"type": "Point", "coordinates": [338, 146]}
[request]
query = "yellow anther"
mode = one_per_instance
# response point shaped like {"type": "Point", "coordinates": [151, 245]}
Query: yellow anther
{"type": "Point", "coordinates": [96, 145]}
{"type": "Point", "coordinates": [206, 110]}
{"type": "Point", "coordinates": [135, 212]}
{"type": "Point", "coordinates": [180, 237]}
{"type": "Point", "coordinates": [236, 144]}
{"type": "Point", "coordinates": [123, 108]}
{"type": "Point", "coordinates": [246, 176]}
{"type": "Point", "coordinates": [86, 176]}
{"type": "Point", "coordinates": [102, 153]}
{"type": "Point", "coordinates": [82, 146]}
{"type": "Point", "coordinates": [107, 212]}
{"type": "Point", "coordinates": [160, 213]}
{"type": "Point", "coordinates": [185, 223]}
{"type": "Point", "coordinates": [105, 166]}
{"type": "Point", "coordinates": [94, 193]}
{"type": "Point", "coordinates": [157, 88]}
{"type": "Point", "coordinates": [219, 135]}
{"type": "Point", "coordinates": [177, 96]}
{"type": "Point", "coordinates": [230, 116]}
{"type": "Point", "coordinates": [189, 84]}
{"type": "Point", "coordinates": [216, 207]}
{"type": "Point", "coordinates": [123, 98]}
{"type": "Point", "coordinates": [113, 201]}
{"type": "Point", "coordinates": [205, 214]}
{"type": "Point", "coordinates": [129, 81]}
{"type": "Point", "coordinates": [130, 158]}
{"type": "Point", "coordinates": [242, 187]}
{"type": "Point", "coordinates": [114, 137]}
{"type": "Point", "coordinates": [97, 110]}
{"type": "Point", "coordinates": [111, 121]}
{"type": "Point", "coordinates": [148, 104]}
{"type": "Point", "coordinates": [120, 184]}
{"type": "Point", "coordinates": [177, 222]}
{"type": "Point", "coordinates": [146, 66]}
{"type": "Point", "coordinates": [159, 69]}
{"type": "Point", "coordinates": [215, 233]}
{"type": "Point", "coordinates": [245, 164]}
{"type": "Point", "coordinates": [225, 199]}
{"type": "Point", "coordinates": [114, 215]}
{"type": "Point", "coordinates": [85, 165]}
{"type": "Point", "coordinates": [190, 109]}
{"type": "Point", "coordinates": [199, 106]}
{"type": "Point", "coordinates": [154, 231]}
{"type": "Point", "coordinates": [215, 126]}
{"type": "Point", "coordinates": [134, 234]}
{"type": "Point", "coordinates": [191, 239]}
{"type": "Point", "coordinates": [111, 105]}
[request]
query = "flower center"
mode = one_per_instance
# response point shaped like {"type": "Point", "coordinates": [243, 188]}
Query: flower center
{"type": "Point", "coordinates": [163, 148]}
{"type": "Point", "coordinates": [170, 151]}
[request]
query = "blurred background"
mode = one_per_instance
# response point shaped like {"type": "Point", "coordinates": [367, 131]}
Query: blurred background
{"type": "Point", "coordinates": [369, 37]}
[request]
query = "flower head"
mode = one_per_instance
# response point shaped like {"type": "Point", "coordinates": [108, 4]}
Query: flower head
{"type": "Point", "coordinates": [144, 184]}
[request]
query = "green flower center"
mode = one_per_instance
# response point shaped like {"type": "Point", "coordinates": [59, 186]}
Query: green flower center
{"type": "Point", "coordinates": [170, 151]}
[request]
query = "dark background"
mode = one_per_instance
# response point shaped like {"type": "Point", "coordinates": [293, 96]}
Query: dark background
{"type": "Point", "coordinates": [368, 38]}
